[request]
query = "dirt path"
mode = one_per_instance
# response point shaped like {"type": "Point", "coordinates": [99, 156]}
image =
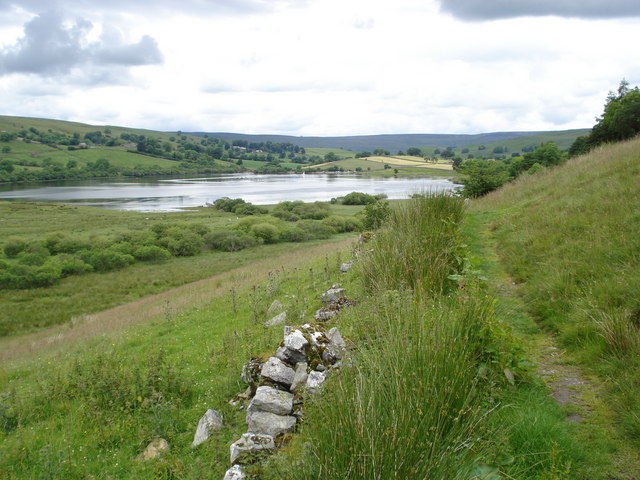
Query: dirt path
{"type": "Point", "coordinates": [157, 306]}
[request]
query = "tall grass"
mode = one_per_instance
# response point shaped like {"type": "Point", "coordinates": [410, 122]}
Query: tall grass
{"type": "Point", "coordinates": [418, 249]}
{"type": "Point", "coordinates": [411, 403]}
{"type": "Point", "coordinates": [410, 406]}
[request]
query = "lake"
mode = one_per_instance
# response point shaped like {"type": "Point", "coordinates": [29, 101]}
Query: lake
{"type": "Point", "coordinates": [173, 194]}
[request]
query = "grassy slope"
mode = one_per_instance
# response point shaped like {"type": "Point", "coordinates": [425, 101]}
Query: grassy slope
{"type": "Point", "coordinates": [569, 238]}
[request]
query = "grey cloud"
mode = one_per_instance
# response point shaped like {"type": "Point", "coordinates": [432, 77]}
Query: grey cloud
{"type": "Point", "coordinates": [50, 48]}
{"type": "Point", "coordinates": [478, 10]}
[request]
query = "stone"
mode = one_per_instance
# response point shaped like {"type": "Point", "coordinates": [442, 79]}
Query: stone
{"type": "Point", "coordinates": [287, 329]}
{"type": "Point", "coordinates": [275, 308]}
{"type": "Point", "coordinates": [210, 422]}
{"type": "Point", "coordinates": [300, 377]}
{"type": "Point", "coordinates": [276, 370]}
{"type": "Point", "coordinates": [335, 338]}
{"type": "Point", "coordinates": [268, 423]}
{"type": "Point", "coordinates": [332, 295]}
{"type": "Point", "coordinates": [323, 315]}
{"type": "Point", "coordinates": [250, 444]}
{"type": "Point", "coordinates": [290, 356]}
{"type": "Point", "coordinates": [296, 341]}
{"type": "Point", "coordinates": [234, 473]}
{"type": "Point", "coordinates": [277, 320]}
{"type": "Point", "coordinates": [315, 381]}
{"type": "Point", "coordinates": [346, 266]}
{"type": "Point", "coordinates": [269, 399]}
{"type": "Point", "coordinates": [251, 372]}
{"type": "Point", "coordinates": [154, 449]}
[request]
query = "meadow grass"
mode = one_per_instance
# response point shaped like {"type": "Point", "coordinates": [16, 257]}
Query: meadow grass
{"type": "Point", "coordinates": [89, 409]}
{"type": "Point", "coordinates": [73, 297]}
{"type": "Point", "coordinates": [569, 238]}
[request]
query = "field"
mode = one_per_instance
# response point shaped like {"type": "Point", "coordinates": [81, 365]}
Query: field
{"type": "Point", "coordinates": [32, 309]}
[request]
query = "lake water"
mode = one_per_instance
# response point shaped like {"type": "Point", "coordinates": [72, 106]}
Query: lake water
{"type": "Point", "coordinates": [173, 194]}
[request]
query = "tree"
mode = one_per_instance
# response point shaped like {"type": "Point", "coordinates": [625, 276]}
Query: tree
{"type": "Point", "coordinates": [620, 120]}
{"type": "Point", "coordinates": [414, 151]}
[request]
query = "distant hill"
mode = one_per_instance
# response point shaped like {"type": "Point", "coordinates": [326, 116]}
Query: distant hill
{"type": "Point", "coordinates": [395, 142]}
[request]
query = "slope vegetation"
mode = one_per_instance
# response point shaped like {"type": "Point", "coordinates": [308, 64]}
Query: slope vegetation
{"type": "Point", "coordinates": [569, 237]}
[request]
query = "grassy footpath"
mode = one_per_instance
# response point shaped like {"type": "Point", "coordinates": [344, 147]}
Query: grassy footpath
{"type": "Point", "coordinates": [568, 240]}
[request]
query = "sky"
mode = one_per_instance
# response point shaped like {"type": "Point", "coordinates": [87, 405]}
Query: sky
{"type": "Point", "coordinates": [317, 67]}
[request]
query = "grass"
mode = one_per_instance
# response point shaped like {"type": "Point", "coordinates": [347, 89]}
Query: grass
{"type": "Point", "coordinates": [75, 296]}
{"type": "Point", "coordinates": [90, 408]}
{"type": "Point", "coordinates": [569, 238]}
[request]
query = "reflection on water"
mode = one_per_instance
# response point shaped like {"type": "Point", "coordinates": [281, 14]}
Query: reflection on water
{"type": "Point", "coordinates": [164, 195]}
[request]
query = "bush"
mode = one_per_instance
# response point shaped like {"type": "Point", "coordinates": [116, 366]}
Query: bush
{"type": "Point", "coordinates": [14, 246]}
{"type": "Point", "coordinates": [266, 231]}
{"type": "Point", "coordinates": [315, 229]}
{"type": "Point", "coordinates": [294, 234]}
{"type": "Point", "coordinates": [375, 215]}
{"type": "Point", "coordinates": [72, 265]}
{"type": "Point", "coordinates": [343, 223]}
{"type": "Point", "coordinates": [105, 260]}
{"type": "Point", "coordinates": [20, 276]}
{"type": "Point", "coordinates": [358, 198]}
{"type": "Point", "coordinates": [229, 240]}
{"type": "Point", "coordinates": [250, 209]}
{"type": "Point", "coordinates": [294, 211]}
{"type": "Point", "coordinates": [227, 204]}
{"type": "Point", "coordinates": [60, 243]}
{"type": "Point", "coordinates": [151, 253]}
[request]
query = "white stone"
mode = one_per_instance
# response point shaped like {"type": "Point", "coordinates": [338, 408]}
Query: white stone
{"type": "Point", "coordinates": [315, 381]}
{"type": "Point", "coordinates": [268, 423]}
{"type": "Point", "coordinates": [251, 443]}
{"type": "Point", "coordinates": [332, 295]}
{"type": "Point", "coordinates": [322, 315]}
{"type": "Point", "coordinates": [290, 356]}
{"type": "Point", "coordinates": [335, 338]}
{"type": "Point", "coordinates": [234, 473]}
{"type": "Point", "coordinates": [275, 308]}
{"type": "Point", "coordinates": [296, 341]}
{"type": "Point", "coordinates": [269, 399]}
{"type": "Point", "coordinates": [300, 378]}
{"type": "Point", "coordinates": [277, 320]}
{"type": "Point", "coordinates": [346, 266]}
{"type": "Point", "coordinates": [276, 370]}
{"type": "Point", "coordinates": [210, 422]}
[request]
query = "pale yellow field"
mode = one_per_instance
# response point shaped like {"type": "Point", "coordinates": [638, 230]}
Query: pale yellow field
{"type": "Point", "coordinates": [407, 161]}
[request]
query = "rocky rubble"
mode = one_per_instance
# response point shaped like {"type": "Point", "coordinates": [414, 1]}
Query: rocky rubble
{"type": "Point", "coordinates": [299, 367]}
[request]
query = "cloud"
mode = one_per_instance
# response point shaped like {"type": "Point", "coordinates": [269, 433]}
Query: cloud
{"type": "Point", "coordinates": [478, 10]}
{"type": "Point", "coordinates": [51, 48]}
{"type": "Point", "coordinates": [201, 7]}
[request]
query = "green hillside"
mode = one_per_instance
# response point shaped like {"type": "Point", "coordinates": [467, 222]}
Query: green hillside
{"type": "Point", "coordinates": [396, 142]}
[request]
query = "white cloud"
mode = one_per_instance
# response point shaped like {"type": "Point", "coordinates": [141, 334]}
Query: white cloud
{"type": "Point", "coordinates": [320, 67]}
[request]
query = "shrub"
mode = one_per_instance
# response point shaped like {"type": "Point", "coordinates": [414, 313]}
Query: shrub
{"type": "Point", "coordinates": [358, 198]}
{"type": "Point", "coordinates": [151, 253]}
{"type": "Point", "coordinates": [60, 243]}
{"type": "Point", "coordinates": [294, 234]}
{"type": "Point", "coordinates": [72, 265]}
{"type": "Point", "coordinates": [315, 229]}
{"type": "Point", "coordinates": [123, 247]}
{"type": "Point", "coordinates": [250, 209]}
{"type": "Point", "coordinates": [266, 231]}
{"type": "Point", "coordinates": [31, 258]}
{"type": "Point", "coordinates": [227, 204]}
{"type": "Point", "coordinates": [14, 246]}
{"type": "Point", "coordinates": [105, 260]}
{"type": "Point", "coordinates": [343, 223]}
{"type": "Point", "coordinates": [293, 211]}
{"type": "Point", "coordinates": [375, 214]}
{"type": "Point", "coordinates": [229, 240]}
